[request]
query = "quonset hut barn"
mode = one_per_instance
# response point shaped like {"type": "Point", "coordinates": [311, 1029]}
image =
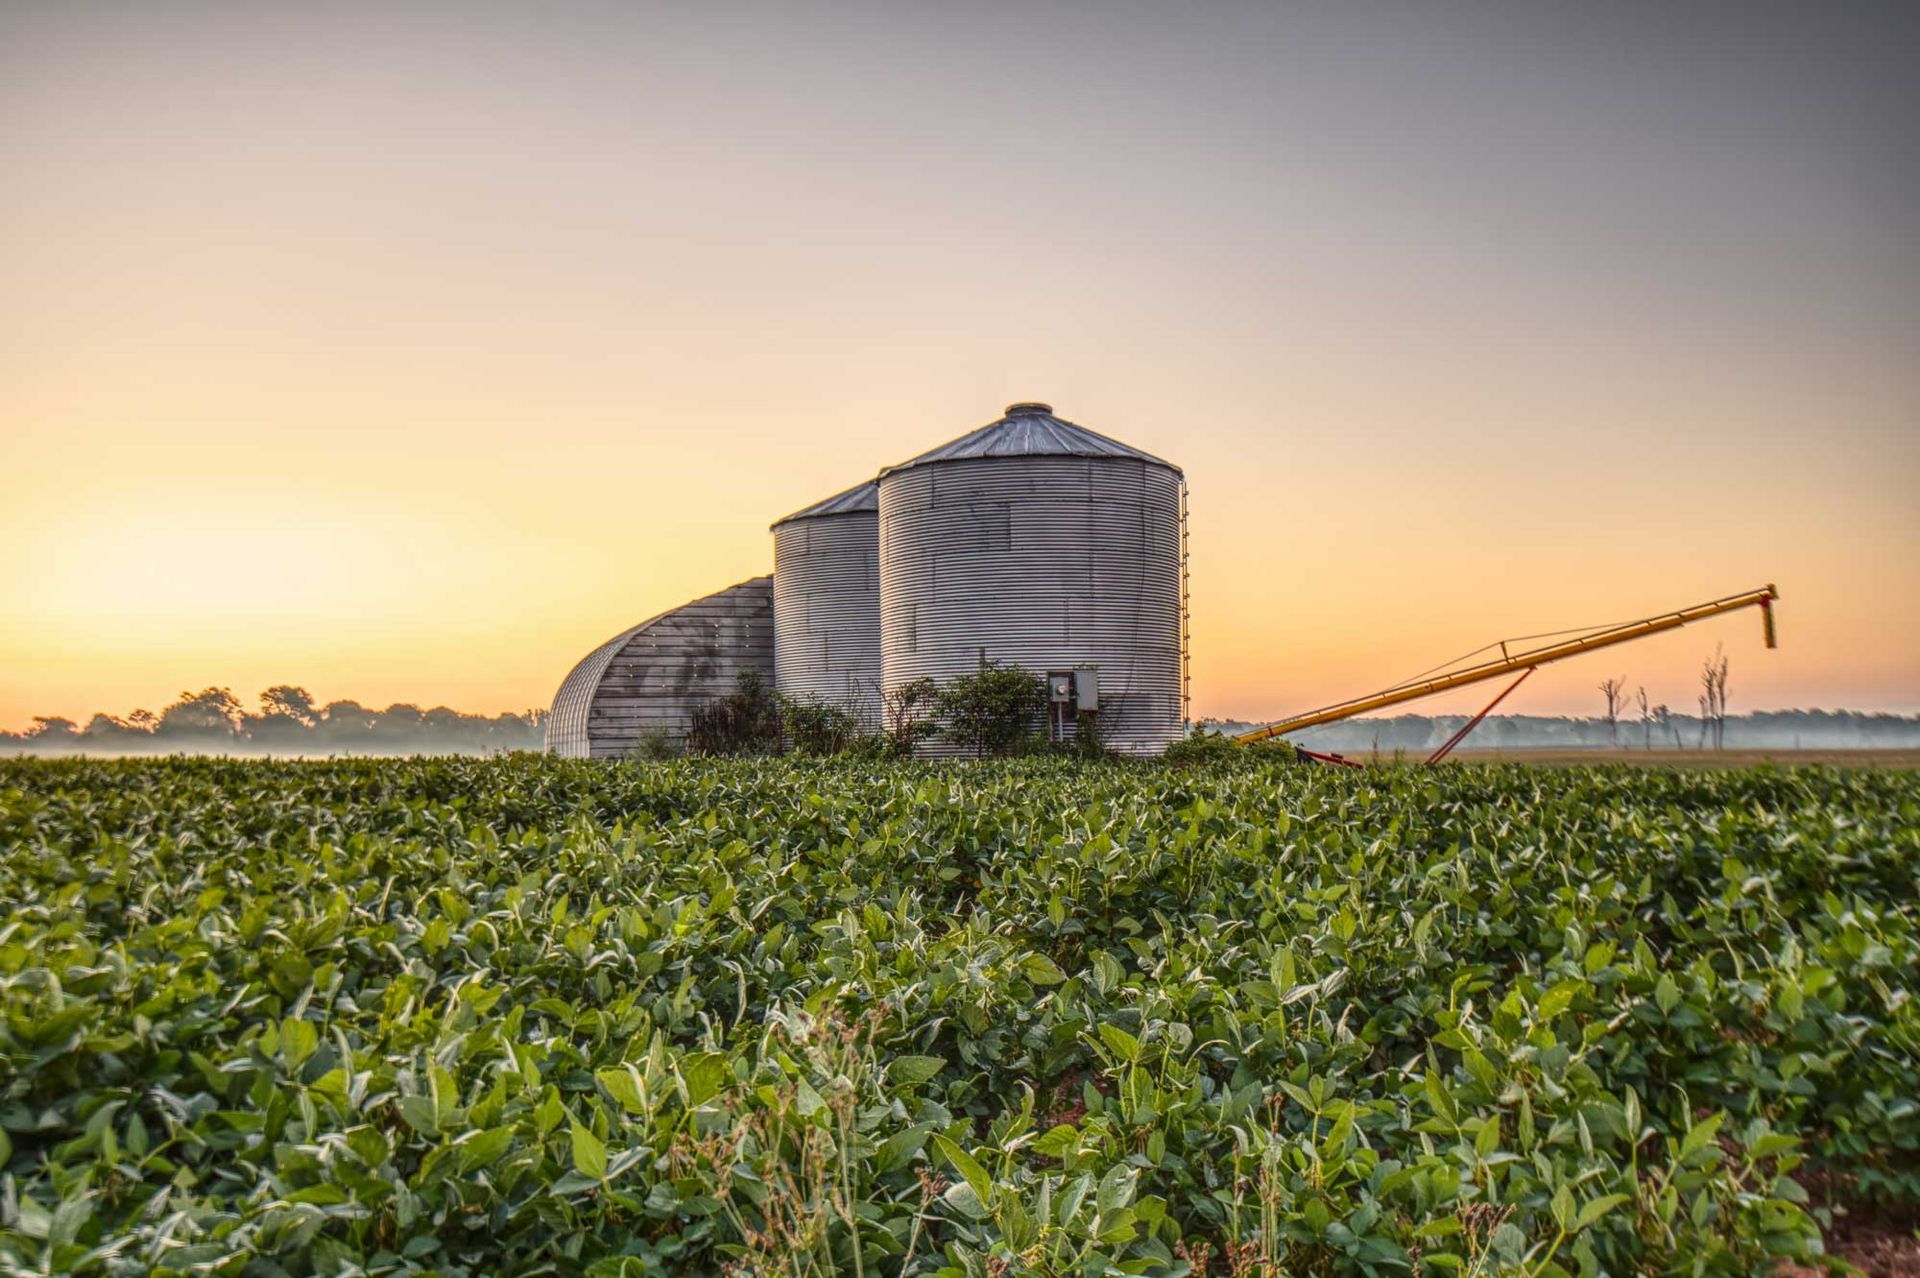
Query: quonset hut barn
{"type": "Point", "coordinates": [1031, 542]}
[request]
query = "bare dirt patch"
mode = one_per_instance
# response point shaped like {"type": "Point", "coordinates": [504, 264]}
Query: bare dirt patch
{"type": "Point", "coordinates": [1880, 1240]}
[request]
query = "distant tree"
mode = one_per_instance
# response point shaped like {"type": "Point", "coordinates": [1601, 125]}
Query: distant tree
{"type": "Point", "coordinates": [345, 725]}
{"type": "Point", "coordinates": [403, 727]}
{"type": "Point", "coordinates": [1646, 719]}
{"type": "Point", "coordinates": [1615, 691]}
{"type": "Point", "coordinates": [288, 722]}
{"type": "Point", "coordinates": [288, 702]}
{"type": "Point", "coordinates": [210, 714]}
{"type": "Point", "coordinates": [52, 730]}
{"type": "Point", "coordinates": [286, 719]}
{"type": "Point", "coordinates": [1713, 695]}
{"type": "Point", "coordinates": [446, 730]}
{"type": "Point", "coordinates": [1664, 717]}
{"type": "Point", "coordinates": [104, 729]}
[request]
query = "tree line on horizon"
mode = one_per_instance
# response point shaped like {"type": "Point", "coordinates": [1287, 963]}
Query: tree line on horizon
{"type": "Point", "coordinates": [1759, 730]}
{"type": "Point", "coordinates": [289, 721]}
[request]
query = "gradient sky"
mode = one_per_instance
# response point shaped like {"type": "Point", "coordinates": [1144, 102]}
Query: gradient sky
{"type": "Point", "coordinates": [408, 351]}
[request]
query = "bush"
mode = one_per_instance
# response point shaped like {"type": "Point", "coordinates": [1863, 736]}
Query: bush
{"type": "Point", "coordinates": [821, 728]}
{"type": "Point", "coordinates": [993, 711]}
{"type": "Point", "coordinates": [1086, 741]}
{"type": "Point", "coordinates": [1202, 747]}
{"type": "Point", "coordinates": [655, 744]}
{"type": "Point", "coordinates": [904, 715]}
{"type": "Point", "coordinates": [744, 721]}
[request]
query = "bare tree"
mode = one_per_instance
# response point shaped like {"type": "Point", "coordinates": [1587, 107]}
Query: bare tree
{"type": "Point", "coordinates": [1713, 696]}
{"type": "Point", "coordinates": [1646, 719]}
{"type": "Point", "coordinates": [1664, 717]}
{"type": "Point", "coordinates": [1615, 691]}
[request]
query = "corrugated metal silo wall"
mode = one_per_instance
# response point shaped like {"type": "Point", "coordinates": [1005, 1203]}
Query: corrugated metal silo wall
{"type": "Point", "coordinates": [826, 611]}
{"type": "Point", "coordinates": [1048, 563]}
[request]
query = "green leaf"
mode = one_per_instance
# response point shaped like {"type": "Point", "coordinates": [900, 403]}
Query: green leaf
{"type": "Point", "coordinates": [1562, 1207]}
{"type": "Point", "coordinates": [1556, 1000]}
{"type": "Point", "coordinates": [1700, 1133]}
{"type": "Point", "coordinates": [911, 1071]}
{"type": "Point", "coordinates": [1075, 1194]}
{"type": "Point", "coordinates": [1116, 1189]}
{"type": "Point", "coordinates": [807, 1101]}
{"type": "Point", "coordinates": [1666, 994]}
{"type": "Point", "coordinates": [420, 1113]}
{"type": "Point", "coordinates": [704, 1073]}
{"type": "Point", "coordinates": [623, 1084]}
{"type": "Point", "coordinates": [1593, 1211]}
{"type": "Point", "coordinates": [484, 1148]}
{"type": "Point", "coordinates": [1042, 970]}
{"type": "Point", "coordinates": [35, 1220]}
{"type": "Point", "coordinates": [298, 1039]}
{"type": "Point", "coordinates": [900, 1147]}
{"type": "Point", "coordinates": [963, 1198]}
{"type": "Point", "coordinates": [1336, 1140]}
{"type": "Point", "coordinates": [589, 1155]}
{"type": "Point", "coordinates": [962, 1162]}
{"type": "Point", "coordinates": [1122, 1044]}
{"type": "Point", "coordinates": [1117, 1227]}
{"type": "Point", "coordinates": [550, 1111]}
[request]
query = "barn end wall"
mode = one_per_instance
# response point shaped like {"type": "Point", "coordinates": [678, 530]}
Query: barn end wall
{"type": "Point", "coordinates": [653, 677]}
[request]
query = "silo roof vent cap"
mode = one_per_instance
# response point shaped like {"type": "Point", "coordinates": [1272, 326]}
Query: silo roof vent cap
{"type": "Point", "coordinates": [1028, 430]}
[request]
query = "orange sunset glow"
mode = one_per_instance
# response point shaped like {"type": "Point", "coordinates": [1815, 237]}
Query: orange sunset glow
{"type": "Point", "coordinates": [408, 352]}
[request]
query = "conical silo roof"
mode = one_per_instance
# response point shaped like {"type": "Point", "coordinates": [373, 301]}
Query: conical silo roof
{"type": "Point", "coordinates": [854, 500]}
{"type": "Point", "coordinates": [1029, 430]}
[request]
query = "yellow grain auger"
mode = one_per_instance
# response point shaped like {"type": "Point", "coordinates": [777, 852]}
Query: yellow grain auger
{"type": "Point", "coordinates": [1524, 662]}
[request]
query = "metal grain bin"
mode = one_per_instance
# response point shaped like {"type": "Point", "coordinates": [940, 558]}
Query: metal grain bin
{"type": "Point", "coordinates": [1038, 543]}
{"type": "Point", "coordinates": [826, 602]}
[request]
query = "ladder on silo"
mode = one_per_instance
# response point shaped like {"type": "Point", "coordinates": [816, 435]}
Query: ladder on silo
{"type": "Point", "coordinates": [1186, 620]}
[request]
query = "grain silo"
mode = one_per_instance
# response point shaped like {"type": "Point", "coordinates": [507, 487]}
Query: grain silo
{"type": "Point", "coordinates": [1037, 543]}
{"type": "Point", "coordinates": [826, 602]}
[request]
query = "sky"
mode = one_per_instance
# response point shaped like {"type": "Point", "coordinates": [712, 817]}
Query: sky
{"type": "Point", "coordinates": [407, 351]}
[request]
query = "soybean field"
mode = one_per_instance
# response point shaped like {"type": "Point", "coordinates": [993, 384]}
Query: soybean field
{"type": "Point", "coordinates": [751, 1017]}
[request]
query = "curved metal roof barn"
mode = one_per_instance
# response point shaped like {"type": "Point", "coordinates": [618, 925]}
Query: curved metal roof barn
{"type": "Point", "coordinates": [826, 603]}
{"type": "Point", "coordinates": [651, 678]}
{"type": "Point", "coordinates": [1038, 543]}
